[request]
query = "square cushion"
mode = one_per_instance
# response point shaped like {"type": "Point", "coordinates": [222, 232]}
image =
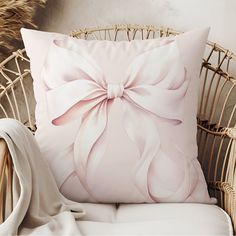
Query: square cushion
{"type": "Point", "coordinates": [116, 121]}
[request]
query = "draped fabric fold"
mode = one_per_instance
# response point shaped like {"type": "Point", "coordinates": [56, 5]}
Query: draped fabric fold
{"type": "Point", "coordinates": [39, 208]}
{"type": "Point", "coordinates": [154, 88]}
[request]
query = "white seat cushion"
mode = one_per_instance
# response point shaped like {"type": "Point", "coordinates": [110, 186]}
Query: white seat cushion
{"type": "Point", "coordinates": [155, 219]}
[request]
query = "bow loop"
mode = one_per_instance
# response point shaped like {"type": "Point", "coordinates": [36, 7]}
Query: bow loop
{"type": "Point", "coordinates": [72, 81]}
{"type": "Point", "coordinates": [157, 82]}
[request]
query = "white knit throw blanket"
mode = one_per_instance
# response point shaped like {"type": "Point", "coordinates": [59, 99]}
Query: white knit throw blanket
{"type": "Point", "coordinates": [39, 208]}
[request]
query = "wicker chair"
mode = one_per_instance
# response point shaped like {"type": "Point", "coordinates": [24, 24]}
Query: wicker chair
{"type": "Point", "coordinates": [216, 113]}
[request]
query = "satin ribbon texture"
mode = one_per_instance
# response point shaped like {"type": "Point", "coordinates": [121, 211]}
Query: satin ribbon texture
{"type": "Point", "coordinates": [152, 89]}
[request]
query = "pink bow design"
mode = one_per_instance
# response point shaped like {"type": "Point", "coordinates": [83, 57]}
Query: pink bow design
{"type": "Point", "coordinates": [154, 88]}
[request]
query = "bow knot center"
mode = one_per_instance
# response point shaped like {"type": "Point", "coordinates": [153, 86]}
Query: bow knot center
{"type": "Point", "coordinates": [115, 91]}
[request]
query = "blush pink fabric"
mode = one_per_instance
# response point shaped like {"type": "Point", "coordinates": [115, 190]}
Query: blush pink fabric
{"type": "Point", "coordinates": [117, 120]}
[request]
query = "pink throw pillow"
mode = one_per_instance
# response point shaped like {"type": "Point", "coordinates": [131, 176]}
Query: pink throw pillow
{"type": "Point", "coordinates": [117, 120]}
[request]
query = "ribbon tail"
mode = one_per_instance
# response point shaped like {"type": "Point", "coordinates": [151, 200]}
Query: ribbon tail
{"type": "Point", "coordinates": [141, 130]}
{"type": "Point", "coordinates": [92, 128]}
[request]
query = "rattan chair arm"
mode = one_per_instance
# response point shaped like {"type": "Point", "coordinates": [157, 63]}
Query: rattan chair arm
{"type": "Point", "coordinates": [226, 199]}
{"type": "Point", "coordinates": [6, 178]}
{"type": "Point", "coordinates": [219, 163]}
{"type": "Point", "coordinates": [224, 187]}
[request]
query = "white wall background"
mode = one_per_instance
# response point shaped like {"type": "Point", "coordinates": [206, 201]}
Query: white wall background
{"type": "Point", "coordinates": [67, 15]}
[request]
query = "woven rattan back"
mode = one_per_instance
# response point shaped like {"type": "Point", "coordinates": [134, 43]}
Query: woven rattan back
{"type": "Point", "coordinates": [16, 91]}
{"type": "Point", "coordinates": [216, 113]}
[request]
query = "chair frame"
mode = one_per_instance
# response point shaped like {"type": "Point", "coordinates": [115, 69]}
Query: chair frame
{"type": "Point", "coordinates": [216, 113]}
